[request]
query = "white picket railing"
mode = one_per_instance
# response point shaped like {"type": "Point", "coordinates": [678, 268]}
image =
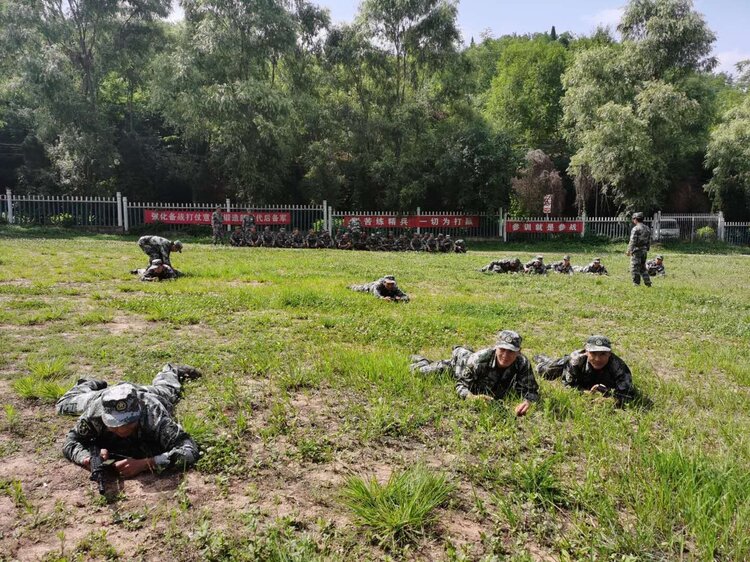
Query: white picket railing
{"type": "Point", "coordinates": [117, 213]}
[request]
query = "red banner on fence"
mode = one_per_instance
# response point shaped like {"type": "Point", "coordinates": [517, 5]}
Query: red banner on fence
{"type": "Point", "coordinates": [541, 227]}
{"type": "Point", "coordinates": [414, 221]}
{"type": "Point", "coordinates": [177, 216]}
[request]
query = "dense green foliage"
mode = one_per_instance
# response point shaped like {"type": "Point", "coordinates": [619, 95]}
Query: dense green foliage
{"type": "Point", "coordinates": [268, 101]}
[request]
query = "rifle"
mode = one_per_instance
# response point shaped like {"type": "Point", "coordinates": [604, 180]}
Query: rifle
{"type": "Point", "coordinates": [97, 468]}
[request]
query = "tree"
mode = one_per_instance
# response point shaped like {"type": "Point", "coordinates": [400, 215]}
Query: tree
{"type": "Point", "coordinates": [535, 180]}
{"type": "Point", "coordinates": [525, 94]}
{"type": "Point", "coordinates": [633, 111]}
{"type": "Point", "coordinates": [728, 158]}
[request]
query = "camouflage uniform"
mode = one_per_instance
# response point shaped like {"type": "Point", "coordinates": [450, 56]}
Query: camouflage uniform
{"type": "Point", "coordinates": [157, 435]}
{"type": "Point", "coordinates": [640, 243]}
{"type": "Point", "coordinates": [268, 238]}
{"type": "Point", "coordinates": [237, 238]}
{"type": "Point", "coordinates": [283, 239]}
{"type": "Point", "coordinates": [447, 244]}
{"type": "Point", "coordinates": [153, 273]}
{"type": "Point", "coordinates": [504, 266]}
{"type": "Point", "coordinates": [156, 248]}
{"type": "Point", "coordinates": [564, 266]}
{"type": "Point", "coordinates": [536, 266]}
{"type": "Point", "coordinates": [325, 240]}
{"type": "Point", "coordinates": [595, 268]}
{"type": "Point", "coordinates": [415, 244]}
{"type": "Point", "coordinates": [252, 237]}
{"type": "Point", "coordinates": [297, 240]}
{"type": "Point", "coordinates": [248, 221]}
{"type": "Point", "coordinates": [460, 246]}
{"type": "Point", "coordinates": [379, 289]}
{"type": "Point", "coordinates": [431, 244]}
{"type": "Point", "coordinates": [577, 372]}
{"type": "Point", "coordinates": [217, 227]}
{"type": "Point", "coordinates": [311, 240]}
{"type": "Point", "coordinates": [656, 268]}
{"type": "Point", "coordinates": [479, 373]}
{"type": "Point", "coordinates": [344, 243]}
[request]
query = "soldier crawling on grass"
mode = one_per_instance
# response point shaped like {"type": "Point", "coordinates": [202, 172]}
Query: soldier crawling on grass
{"type": "Point", "coordinates": [384, 288]}
{"type": "Point", "coordinates": [593, 369]}
{"type": "Point", "coordinates": [157, 271]}
{"type": "Point", "coordinates": [130, 424]}
{"type": "Point", "coordinates": [490, 373]}
{"type": "Point", "coordinates": [536, 266]}
{"type": "Point", "coordinates": [504, 266]}
{"type": "Point", "coordinates": [595, 268]}
{"type": "Point", "coordinates": [563, 266]}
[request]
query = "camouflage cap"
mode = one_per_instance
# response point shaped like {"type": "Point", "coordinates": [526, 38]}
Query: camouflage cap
{"type": "Point", "coordinates": [177, 245]}
{"type": "Point", "coordinates": [659, 257]}
{"type": "Point", "coordinates": [120, 405]}
{"type": "Point", "coordinates": [157, 261]}
{"type": "Point", "coordinates": [539, 258]}
{"type": "Point", "coordinates": [638, 215]}
{"type": "Point", "coordinates": [566, 257]}
{"type": "Point", "coordinates": [389, 278]}
{"type": "Point", "coordinates": [508, 339]}
{"type": "Point", "coordinates": [597, 260]}
{"type": "Point", "coordinates": [598, 343]}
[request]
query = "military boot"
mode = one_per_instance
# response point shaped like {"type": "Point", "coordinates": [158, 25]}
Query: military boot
{"type": "Point", "coordinates": [187, 373]}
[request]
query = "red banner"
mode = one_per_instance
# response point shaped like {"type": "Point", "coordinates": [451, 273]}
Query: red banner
{"type": "Point", "coordinates": [179, 216]}
{"type": "Point", "coordinates": [414, 221]}
{"type": "Point", "coordinates": [541, 227]}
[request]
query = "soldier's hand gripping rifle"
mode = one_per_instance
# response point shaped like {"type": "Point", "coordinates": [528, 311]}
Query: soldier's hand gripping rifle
{"type": "Point", "coordinates": [97, 468]}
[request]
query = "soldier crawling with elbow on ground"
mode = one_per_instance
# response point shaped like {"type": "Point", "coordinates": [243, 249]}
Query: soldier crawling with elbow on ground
{"type": "Point", "coordinates": [157, 271]}
{"type": "Point", "coordinates": [384, 288]}
{"type": "Point", "coordinates": [504, 266]}
{"type": "Point", "coordinates": [593, 369]}
{"type": "Point", "coordinates": [536, 266]}
{"type": "Point", "coordinates": [129, 424]}
{"type": "Point", "coordinates": [656, 266]}
{"type": "Point", "coordinates": [488, 374]}
{"type": "Point", "coordinates": [563, 266]}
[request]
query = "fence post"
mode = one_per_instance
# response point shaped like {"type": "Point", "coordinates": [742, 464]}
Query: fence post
{"type": "Point", "coordinates": [330, 221]}
{"type": "Point", "coordinates": [720, 227]}
{"type": "Point", "coordinates": [125, 225]}
{"type": "Point", "coordinates": [119, 210]}
{"type": "Point", "coordinates": [325, 214]}
{"type": "Point", "coordinates": [229, 210]}
{"type": "Point", "coordinates": [9, 204]}
{"type": "Point", "coordinates": [503, 218]}
{"type": "Point", "coordinates": [692, 228]}
{"type": "Point", "coordinates": [419, 212]}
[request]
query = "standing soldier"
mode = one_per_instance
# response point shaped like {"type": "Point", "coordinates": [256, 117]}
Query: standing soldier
{"type": "Point", "coordinates": [640, 244]}
{"type": "Point", "coordinates": [158, 248]}
{"type": "Point", "coordinates": [248, 221]}
{"type": "Point", "coordinates": [217, 226]}
{"type": "Point", "coordinates": [656, 267]}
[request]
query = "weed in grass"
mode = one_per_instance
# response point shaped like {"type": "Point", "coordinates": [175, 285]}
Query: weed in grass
{"type": "Point", "coordinates": [96, 545]}
{"type": "Point", "coordinates": [14, 490]}
{"type": "Point", "coordinates": [47, 369]}
{"type": "Point", "coordinates": [221, 454]}
{"type": "Point", "coordinates": [537, 481]}
{"type": "Point", "coordinates": [12, 419]}
{"type": "Point", "coordinates": [33, 387]}
{"type": "Point", "coordinates": [314, 449]}
{"type": "Point", "coordinates": [95, 317]}
{"type": "Point", "coordinates": [400, 511]}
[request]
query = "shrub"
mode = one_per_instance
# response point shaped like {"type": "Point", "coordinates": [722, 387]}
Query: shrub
{"type": "Point", "coordinates": [706, 234]}
{"type": "Point", "coordinates": [64, 220]}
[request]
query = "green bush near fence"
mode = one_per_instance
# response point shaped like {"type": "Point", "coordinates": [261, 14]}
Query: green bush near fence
{"type": "Point", "coordinates": [64, 220]}
{"type": "Point", "coordinates": [706, 234]}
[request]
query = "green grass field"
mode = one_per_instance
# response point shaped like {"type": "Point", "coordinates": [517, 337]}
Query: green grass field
{"type": "Point", "coordinates": [320, 445]}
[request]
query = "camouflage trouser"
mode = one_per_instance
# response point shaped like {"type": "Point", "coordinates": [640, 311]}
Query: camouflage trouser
{"type": "Point", "coordinates": [455, 365]}
{"type": "Point", "coordinates": [550, 368]}
{"type": "Point", "coordinates": [218, 233]}
{"type": "Point", "coordinates": [153, 252]}
{"type": "Point", "coordinates": [638, 268]}
{"type": "Point", "coordinates": [366, 288]}
{"type": "Point", "coordinates": [166, 387]}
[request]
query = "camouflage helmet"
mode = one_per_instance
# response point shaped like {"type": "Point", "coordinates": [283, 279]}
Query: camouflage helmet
{"type": "Point", "coordinates": [598, 343]}
{"type": "Point", "coordinates": [120, 405]}
{"type": "Point", "coordinates": [638, 216]}
{"type": "Point", "coordinates": [508, 339]}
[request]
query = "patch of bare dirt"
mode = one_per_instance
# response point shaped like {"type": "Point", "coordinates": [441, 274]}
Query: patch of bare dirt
{"type": "Point", "coordinates": [122, 324]}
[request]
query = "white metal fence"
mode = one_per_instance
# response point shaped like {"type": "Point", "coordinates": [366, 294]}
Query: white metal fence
{"type": "Point", "coordinates": [117, 213]}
